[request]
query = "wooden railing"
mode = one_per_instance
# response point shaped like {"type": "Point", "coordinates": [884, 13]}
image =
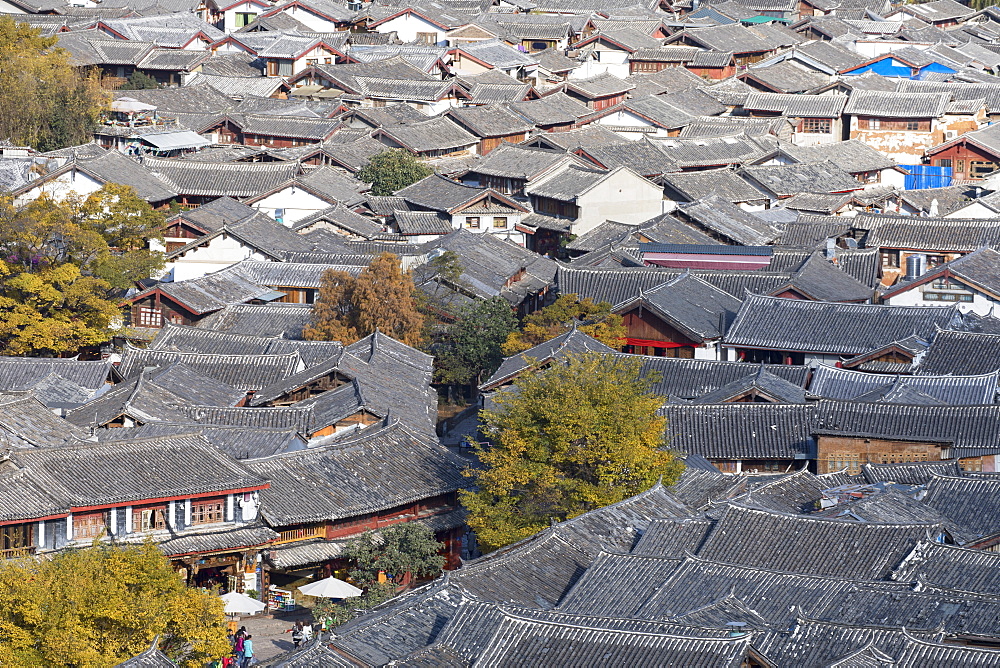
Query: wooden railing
{"type": "Point", "coordinates": [301, 534]}
{"type": "Point", "coordinates": [15, 552]}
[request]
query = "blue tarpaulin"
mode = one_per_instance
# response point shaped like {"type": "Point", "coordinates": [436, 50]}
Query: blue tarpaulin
{"type": "Point", "coordinates": [926, 176]}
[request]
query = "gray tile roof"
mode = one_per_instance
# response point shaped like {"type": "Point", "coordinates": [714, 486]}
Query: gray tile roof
{"type": "Point", "coordinates": [239, 442]}
{"type": "Point", "coordinates": [833, 383]}
{"type": "Point", "coordinates": [218, 541]}
{"type": "Point", "coordinates": [958, 90]}
{"type": "Point", "coordinates": [742, 430]}
{"type": "Point", "coordinates": [927, 234]}
{"type": "Point", "coordinates": [852, 156]}
{"type": "Point", "coordinates": [828, 327]}
{"type": "Point", "coordinates": [569, 183]}
{"type": "Point", "coordinates": [800, 544]}
{"type": "Point", "coordinates": [573, 342]}
{"type": "Point", "coordinates": [490, 121]}
{"type": "Point", "coordinates": [724, 220]}
{"type": "Point", "coordinates": [734, 38]}
{"type": "Point", "coordinates": [242, 179]}
{"type": "Point", "coordinates": [955, 352]}
{"type": "Point", "coordinates": [282, 320]}
{"type": "Point", "coordinates": [698, 309]}
{"type": "Point", "coordinates": [973, 503]}
{"type": "Point", "coordinates": [239, 371]}
{"type": "Point", "coordinates": [785, 77]}
{"type": "Point", "coordinates": [881, 104]}
{"type": "Point", "coordinates": [211, 292]}
{"type": "Point", "coordinates": [126, 471]}
{"type": "Point", "coordinates": [762, 385]}
{"type": "Point", "coordinates": [800, 106]}
{"type": "Point", "coordinates": [377, 470]}
{"type": "Point", "coordinates": [909, 473]}
{"type": "Point", "coordinates": [788, 180]}
{"type": "Point", "coordinates": [723, 183]}
{"type": "Point", "coordinates": [431, 135]}
{"type": "Point", "coordinates": [950, 567]}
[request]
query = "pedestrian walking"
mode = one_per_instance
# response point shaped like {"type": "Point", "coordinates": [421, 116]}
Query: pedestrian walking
{"type": "Point", "coordinates": [247, 652]}
{"type": "Point", "coordinates": [297, 634]}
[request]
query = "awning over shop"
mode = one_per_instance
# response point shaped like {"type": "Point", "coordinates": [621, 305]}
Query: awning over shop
{"type": "Point", "coordinates": [180, 139]}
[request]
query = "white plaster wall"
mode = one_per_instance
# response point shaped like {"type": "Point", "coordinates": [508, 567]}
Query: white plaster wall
{"type": "Point", "coordinates": [72, 182]}
{"type": "Point", "coordinates": [296, 202]}
{"type": "Point", "coordinates": [407, 26]}
{"type": "Point", "coordinates": [591, 68]}
{"type": "Point", "coordinates": [217, 254]}
{"type": "Point", "coordinates": [628, 119]}
{"type": "Point", "coordinates": [314, 21]}
{"type": "Point", "coordinates": [229, 16]}
{"type": "Point", "coordinates": [623, 196]}
{"type": "Point", "coordinates": [981, 304]}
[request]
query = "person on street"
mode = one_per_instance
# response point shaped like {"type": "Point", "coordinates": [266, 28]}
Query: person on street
{"type": "Point", "coordinates": [247, 652]}
{"type": "Point", "coordinates": [297, 634]}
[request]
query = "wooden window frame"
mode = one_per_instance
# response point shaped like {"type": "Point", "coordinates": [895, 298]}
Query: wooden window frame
{"type": "Point", "coordinates": [149, 518]}
{"type": "Point", "coordinates": [90, 525]}
{"type": "Point", "coordinates": [208, 511]}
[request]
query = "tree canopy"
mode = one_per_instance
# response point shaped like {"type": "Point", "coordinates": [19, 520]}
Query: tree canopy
{"type": "Point", "coordinates": [393, 170]}
{"type": "Point", "coordinates": [65, 264]}
{"type": "Point", "coordinates": [381, 297]}
{"type": "Point", "coordinates": [403, 550]}
{"type": "Point", "coordinates": [471, 346]}
{"type": "Point", "coordinates": [47, 103]}
{"type": "Point", "coordinates": [102, 605]}
{"type": "Point", "coordinates": [595, 319]}
{"type": "Point", "coordinates": [579, 435]}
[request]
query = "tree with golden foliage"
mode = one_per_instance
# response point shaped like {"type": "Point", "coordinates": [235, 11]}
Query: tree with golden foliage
{"type": "Point", "coordinates": [580, 435]}
{"type": "Point", "coordinates": [594, 319]}
{"type": "Point", "coordinates": [381, 297]}
{"type": "Point", "coordinates": [47, 103]}
{"type": "Point", "coordinates": [102, 605]}
{"type": "Point", "coordinates": [65, 265]}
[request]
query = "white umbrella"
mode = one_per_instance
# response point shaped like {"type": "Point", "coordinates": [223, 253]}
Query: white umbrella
{"type": "Point", "coordinates": [330, 588]}
{"type": "Point", "coordinates": [237, 603]}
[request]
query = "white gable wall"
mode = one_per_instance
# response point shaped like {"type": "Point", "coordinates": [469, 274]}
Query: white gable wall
{"type": "Point", "coordinates": [623, 196]}
{"type": "Point", "coordinates": [219, 253]}
{"type": "Point", "coordinates": [407, 26]}
{"type": "Point", "coordinates": [296, 202]}
{"type": "Point", "coordinates": [72, 182]}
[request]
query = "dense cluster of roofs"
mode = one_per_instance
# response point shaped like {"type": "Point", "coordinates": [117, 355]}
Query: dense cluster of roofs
{"type": "Point", "coordinates": [794, 205]}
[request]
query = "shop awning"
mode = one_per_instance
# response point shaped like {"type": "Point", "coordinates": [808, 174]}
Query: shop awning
{"type": "Point", "coordinates": [180, 139]}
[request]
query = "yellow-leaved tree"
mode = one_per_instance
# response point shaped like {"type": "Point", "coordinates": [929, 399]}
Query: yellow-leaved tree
{"type": "Point", "coordinates": [65, 265]}
{"type": "Point", "coordinates": [101, 605]}
{"type": "Point", "coordinates": [47, 102]}
{"type": "Point", "coordinates": [381, 297]}
{"type": "Point", "coordinates": [580, 435]}
{"type": "Point", "coordinates": [594, 318]}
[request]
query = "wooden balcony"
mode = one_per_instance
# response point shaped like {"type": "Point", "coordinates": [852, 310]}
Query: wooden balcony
{"type": "Point", "coordinates": [293, 535]}
{"type": "Point", "coordinates": [17, 552]}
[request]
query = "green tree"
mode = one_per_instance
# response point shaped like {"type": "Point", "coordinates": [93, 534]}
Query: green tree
{"type": "Point", "coordinates": [595, 319]}
{"type": "Point", "coordinates": [402, 551]}
{"type": "Point", "coordinates": [140, 81]}
{"type": "Point", "coordinates": [102, 605]}
{"type": "Point", "coordinates": [393, 170]}
{"type": "Point", "coordinates": [382, 297]}
{"type": "Point", "coordinates": [578, 436]}
{"type": "Point", "coordinates": [47, 103]}
{"type": "Point", "coordinates": [471, 348]}
{"type": "Point", "coordinates": [65, 264]}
